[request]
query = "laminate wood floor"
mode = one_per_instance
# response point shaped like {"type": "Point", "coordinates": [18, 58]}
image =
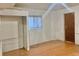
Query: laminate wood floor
{"type": "Point", "coordinates": [51, 48]}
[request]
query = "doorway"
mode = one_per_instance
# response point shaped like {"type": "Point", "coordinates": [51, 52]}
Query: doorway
{"type": "Point", "coordinates": [69, 19]}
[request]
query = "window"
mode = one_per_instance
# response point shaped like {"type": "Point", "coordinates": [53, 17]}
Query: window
{"type": "Point", "coordinates": [35, 22]}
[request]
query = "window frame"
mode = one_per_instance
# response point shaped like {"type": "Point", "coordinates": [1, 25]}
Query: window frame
{"type": "Point", "coordinates": [36, 28]}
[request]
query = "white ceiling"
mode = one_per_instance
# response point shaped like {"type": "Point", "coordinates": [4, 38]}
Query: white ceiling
{"type": "Point", "coordinates": [33, 5]}
{"type": "Point", "coordinates": [43, 6]}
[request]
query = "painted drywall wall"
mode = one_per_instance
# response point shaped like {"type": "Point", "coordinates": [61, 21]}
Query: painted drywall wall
{"type": "Point", "coordinates": [48, 28]}
{"type": "Point", "coordinates": [53, 25]}
{"type": "Point", "coordinates": [33, 12]}
{"type": "Point", "coordinates": [47, 32]}
{"type": "Point", "coordinates": [36, 35]}
{"type": "Point", "coordinates": [76, 25]}
{"type": "Point", "coordinates": [58, 24]}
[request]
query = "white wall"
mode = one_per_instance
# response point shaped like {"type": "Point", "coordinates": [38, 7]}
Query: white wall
{"type": "Point", "coordinates": [58, 18]}
{"type": "Point", "coordinates": [35, 12]}
{"type": "Point", "coordinates": [77, 25]}
{"type": "Point", "coordinates": [46, 33]}
{"type": "Point", "coordinates": [48, 28]}
{"type": "Point", "coordinates": [53, 20]}
{"type": "Point", "coordinates": [36, 36]}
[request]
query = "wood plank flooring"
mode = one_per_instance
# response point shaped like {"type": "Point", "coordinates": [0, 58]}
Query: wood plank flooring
{"type": "Point", "coordinates": [0, 53]}
{"type": "Point", "coordinates": [51, 48]}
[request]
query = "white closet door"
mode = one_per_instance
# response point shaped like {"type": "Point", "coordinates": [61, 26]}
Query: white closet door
{"type": "Point", "coordinates": [9, 33]}
{"type": "Point", "coordinates": [9, 27]}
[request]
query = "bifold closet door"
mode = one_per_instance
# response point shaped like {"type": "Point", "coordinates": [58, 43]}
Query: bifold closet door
{"type": "Point", "coordinates": [10, 37]}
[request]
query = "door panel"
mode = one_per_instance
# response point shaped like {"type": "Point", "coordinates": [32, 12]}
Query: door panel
{"type": "Point", "coordinates": [9, 33]}
{"type": "Point", "coordinates": [69, 27]}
